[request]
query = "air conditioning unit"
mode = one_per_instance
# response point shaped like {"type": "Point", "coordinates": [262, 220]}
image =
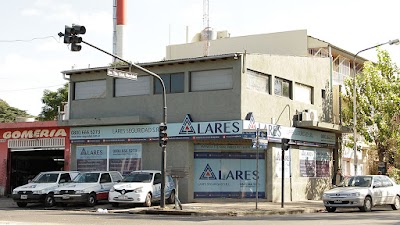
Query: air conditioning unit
{"type": "Point", "coordinates": [309, 115]}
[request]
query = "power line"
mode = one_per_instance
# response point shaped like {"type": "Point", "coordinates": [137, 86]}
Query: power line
{"type": "Point", "coordinates": [26, 89]}
{"type": "Point", "coordinates": [28, 40]}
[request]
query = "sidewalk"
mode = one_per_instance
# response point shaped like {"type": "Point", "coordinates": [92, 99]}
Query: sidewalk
{"type": "Point", "coordinates": [230, 208]}
{"type": "Point", "coordinates": [217, 207]}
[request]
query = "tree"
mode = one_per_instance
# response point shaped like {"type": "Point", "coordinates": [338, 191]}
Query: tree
{"type": "Point", "coordinates": [9, 114]}
{"type": "Point", "coordinates": [52, 100]}
{"type": "Point", "coordinates": [378, 105]}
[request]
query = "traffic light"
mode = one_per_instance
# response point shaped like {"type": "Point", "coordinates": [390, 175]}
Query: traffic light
{"type": "Point", "coordinates": [285, 144]}
{"type": "Point", "coordinates": [163, 136]}
{"type": "Point", "coordinates": [71, 36]}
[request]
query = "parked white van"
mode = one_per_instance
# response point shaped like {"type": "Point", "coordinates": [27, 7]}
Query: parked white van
{"type": "Point", "coordinates": [88, 187]}
{"type": "Point", "coordinates": [142, 186]}
{"type": "Point", "coordinates": [41, 188]}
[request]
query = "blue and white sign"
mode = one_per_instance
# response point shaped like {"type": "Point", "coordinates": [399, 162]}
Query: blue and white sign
{"type": "Point", "coordinates": [293, 133]}
{"type": "Point", "coordinates": [228, 175]}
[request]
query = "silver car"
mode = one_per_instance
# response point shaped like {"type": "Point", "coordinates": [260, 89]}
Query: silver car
{"type": "Point", "coordinates": [363, 192]}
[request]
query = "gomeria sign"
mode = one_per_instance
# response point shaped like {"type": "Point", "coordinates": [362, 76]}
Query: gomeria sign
{"type": "Point", "coordinates": [38, 133]}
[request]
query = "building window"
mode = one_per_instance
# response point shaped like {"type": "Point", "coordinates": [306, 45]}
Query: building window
{"type": "Point", "coordinates": [209, 80]}
{"type": "Point", "coordinates": [282, 87]}
{"type": "Point", "coordinates": [124, 87]}
{"type": "Point", "coordinates": [174, 83]}
{"type": "Point", "coordinates": [303, 93]}
{"type": "Point", "coordinates": [90, 89]}
{"type": "Point", "coordinates": [258, 81]}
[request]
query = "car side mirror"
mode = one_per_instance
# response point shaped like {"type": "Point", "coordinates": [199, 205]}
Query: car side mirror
{"type": "Point", "coordinates": [62, 181]}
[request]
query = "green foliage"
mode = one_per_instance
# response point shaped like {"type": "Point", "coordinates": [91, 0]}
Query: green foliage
{"type": "Point", "coordinates": [378, 105]}
{"type": "Point", "coordinates": [394, 173]}
{"type": "Point", "coordinates": [52, 100]}
{"type": "Point", "coordinates": [8, 113]}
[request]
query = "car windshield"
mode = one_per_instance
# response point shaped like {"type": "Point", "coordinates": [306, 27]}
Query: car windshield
{"type": "Point", "coordinates": [138, 177]}
{"type": "Point", "coordinates": [87, 178]}
{"type": "Point", "coordinates": [46, 178]}
{"type": "Point", "coordinates": [356, 181]}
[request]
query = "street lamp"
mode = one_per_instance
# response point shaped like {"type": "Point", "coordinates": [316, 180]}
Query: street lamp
{"type": "Point", "coordinates": [391, 42]}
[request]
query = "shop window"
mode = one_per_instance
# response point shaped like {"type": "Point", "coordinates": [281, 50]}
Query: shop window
{"type": "Point", "coordinates": [303, 93]}
{"type": "Point", "coordinates": [124, 87]}
{"type": "Point", "coordinates": [282, 87]}
{"type": "Point", "coordinates": [221, 79]}
{"type": "Point", "coordinates": [89, 89]}
{"type": "Point", "coordinates": [174, 83]}
{"type": "Point", "coordinates": [258, 81]}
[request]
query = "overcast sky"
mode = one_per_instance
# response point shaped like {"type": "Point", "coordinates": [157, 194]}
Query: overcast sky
{"type": "Point", "coordinates": [30, 66]}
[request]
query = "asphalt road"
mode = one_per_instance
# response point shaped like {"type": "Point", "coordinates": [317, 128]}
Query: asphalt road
{"type": "Point", "coordinates": [35, 216]}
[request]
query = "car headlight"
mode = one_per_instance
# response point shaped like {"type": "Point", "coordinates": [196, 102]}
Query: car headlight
{"type": "Point", "coordinates": [80, 191]}
{"type": "Point", "coordinates": [15, 192]}
{"type": "Point", "coordinates": [112, 189]}
{"type": "Point", "coordinates": [326, 195]}
{"type": "Point", "coordinates": [138, 190]}
{"type": "Point", "coordinates": [57, 192]}
{"type": "Point", "coordinates": [37, 192]}
{"type": "Point", "coordinates": [356, 194]}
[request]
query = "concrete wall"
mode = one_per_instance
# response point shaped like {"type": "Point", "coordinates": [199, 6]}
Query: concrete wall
{"type": "Point", "coordinates": [310, 71]}
{"type": "Point", "coordinates": [297, 188]}
{"type": "Point", "coordinates": [203, 106]}
{"type": "Point", "coordinates": [282, 43]}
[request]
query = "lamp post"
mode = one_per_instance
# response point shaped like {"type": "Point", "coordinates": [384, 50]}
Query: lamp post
{"type": "Point", "coordinates": [391, 42]}
{"type": "Point", "coordinates": [164, 122]}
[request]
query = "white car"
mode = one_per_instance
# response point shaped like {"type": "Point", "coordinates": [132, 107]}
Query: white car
{"type": "Point", "coordinates": [88, 187]}
{"type": "Point", "coordinates": [363, 192]}
{"type": "Point", "coordinates": [142, 187]}
{"type": "Point", "coordinates": [41, 188]}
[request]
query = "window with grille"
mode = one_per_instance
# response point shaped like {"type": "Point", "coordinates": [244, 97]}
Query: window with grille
{"type": "Point", "coordinates": [221, 79]}
{"type": "Point", "coordinates": [282, 87]}
{"type": "Point", "coordinates": [258, 81]}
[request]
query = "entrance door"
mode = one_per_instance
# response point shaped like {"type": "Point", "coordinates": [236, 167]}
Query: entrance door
{"type": "Point", "coordinates": [25, 165]}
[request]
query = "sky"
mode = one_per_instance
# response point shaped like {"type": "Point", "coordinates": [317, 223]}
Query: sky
{"type": "Point", "coordinates": [32, 55]}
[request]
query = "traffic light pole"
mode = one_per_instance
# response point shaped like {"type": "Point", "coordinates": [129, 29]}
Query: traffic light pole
{"type": "Point", "coordinates": [163, 147]}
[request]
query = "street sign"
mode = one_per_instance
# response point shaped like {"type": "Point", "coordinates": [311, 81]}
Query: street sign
{"type": "Point", "coordinates": [121, 74]}
{"type": "Point", "coordinates": [249, 135]}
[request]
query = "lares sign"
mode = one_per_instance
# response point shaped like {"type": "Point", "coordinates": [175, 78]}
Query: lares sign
{"type": "Point", "coordinates": [188, 127]}
{"type": "Point", "coordinates": [228, 175]}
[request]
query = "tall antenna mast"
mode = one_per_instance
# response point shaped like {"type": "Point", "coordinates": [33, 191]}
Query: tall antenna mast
{"type": "Point", "coordinates": [206, 34]}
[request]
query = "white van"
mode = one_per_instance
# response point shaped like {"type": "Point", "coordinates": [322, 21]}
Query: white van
{"type": "Point", "coordinates": [41, 188]}
{"type": "Point", "coordinates": [142, 187]}
{"type": "Point", "coordinates": [88, 187]}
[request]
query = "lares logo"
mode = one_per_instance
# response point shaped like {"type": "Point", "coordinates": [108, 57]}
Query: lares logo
{"type": "Point", "coordinates": [210, 128]}
{"type": "Point", "coordinates": [208, 174]}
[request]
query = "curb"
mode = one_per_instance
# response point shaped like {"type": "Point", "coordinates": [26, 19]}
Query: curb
{"type": "Point", "coordinates": [227, 213]}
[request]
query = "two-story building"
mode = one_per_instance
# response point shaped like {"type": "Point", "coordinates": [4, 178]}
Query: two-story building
{"type": "Point", "coordinates": [212, 101]}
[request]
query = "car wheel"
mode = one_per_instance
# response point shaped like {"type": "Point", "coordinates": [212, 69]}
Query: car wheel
{"type": "Point", "coordinates": [330, 209]}
{"type": "Point", "coordinates": [49, 200]}
{"type": "Point", "coordinates": [114, 204]}
{"type": "Point", "coordinates": [91, 201]}
{"type": "Point", "coordinates": [171, 199]}
{"type": "Point", "coordinates": [22, 204]}
{"type": "Point", "coordinates": [147, 201]}
{"type": "Point", "coordinates": [396, 204]}
{"type": "Point", "coordinates": [367, 205]}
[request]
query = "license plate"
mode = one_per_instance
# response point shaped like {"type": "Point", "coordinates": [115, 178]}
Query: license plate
{"type": "Point", "coordinates": [65, 196]}
{"type": "Point", "coordinates": [338, 201]}
{"type": "Point", "coordinates": [24, 196]}
{"type": "Point", "coordinates": [122, 197]}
